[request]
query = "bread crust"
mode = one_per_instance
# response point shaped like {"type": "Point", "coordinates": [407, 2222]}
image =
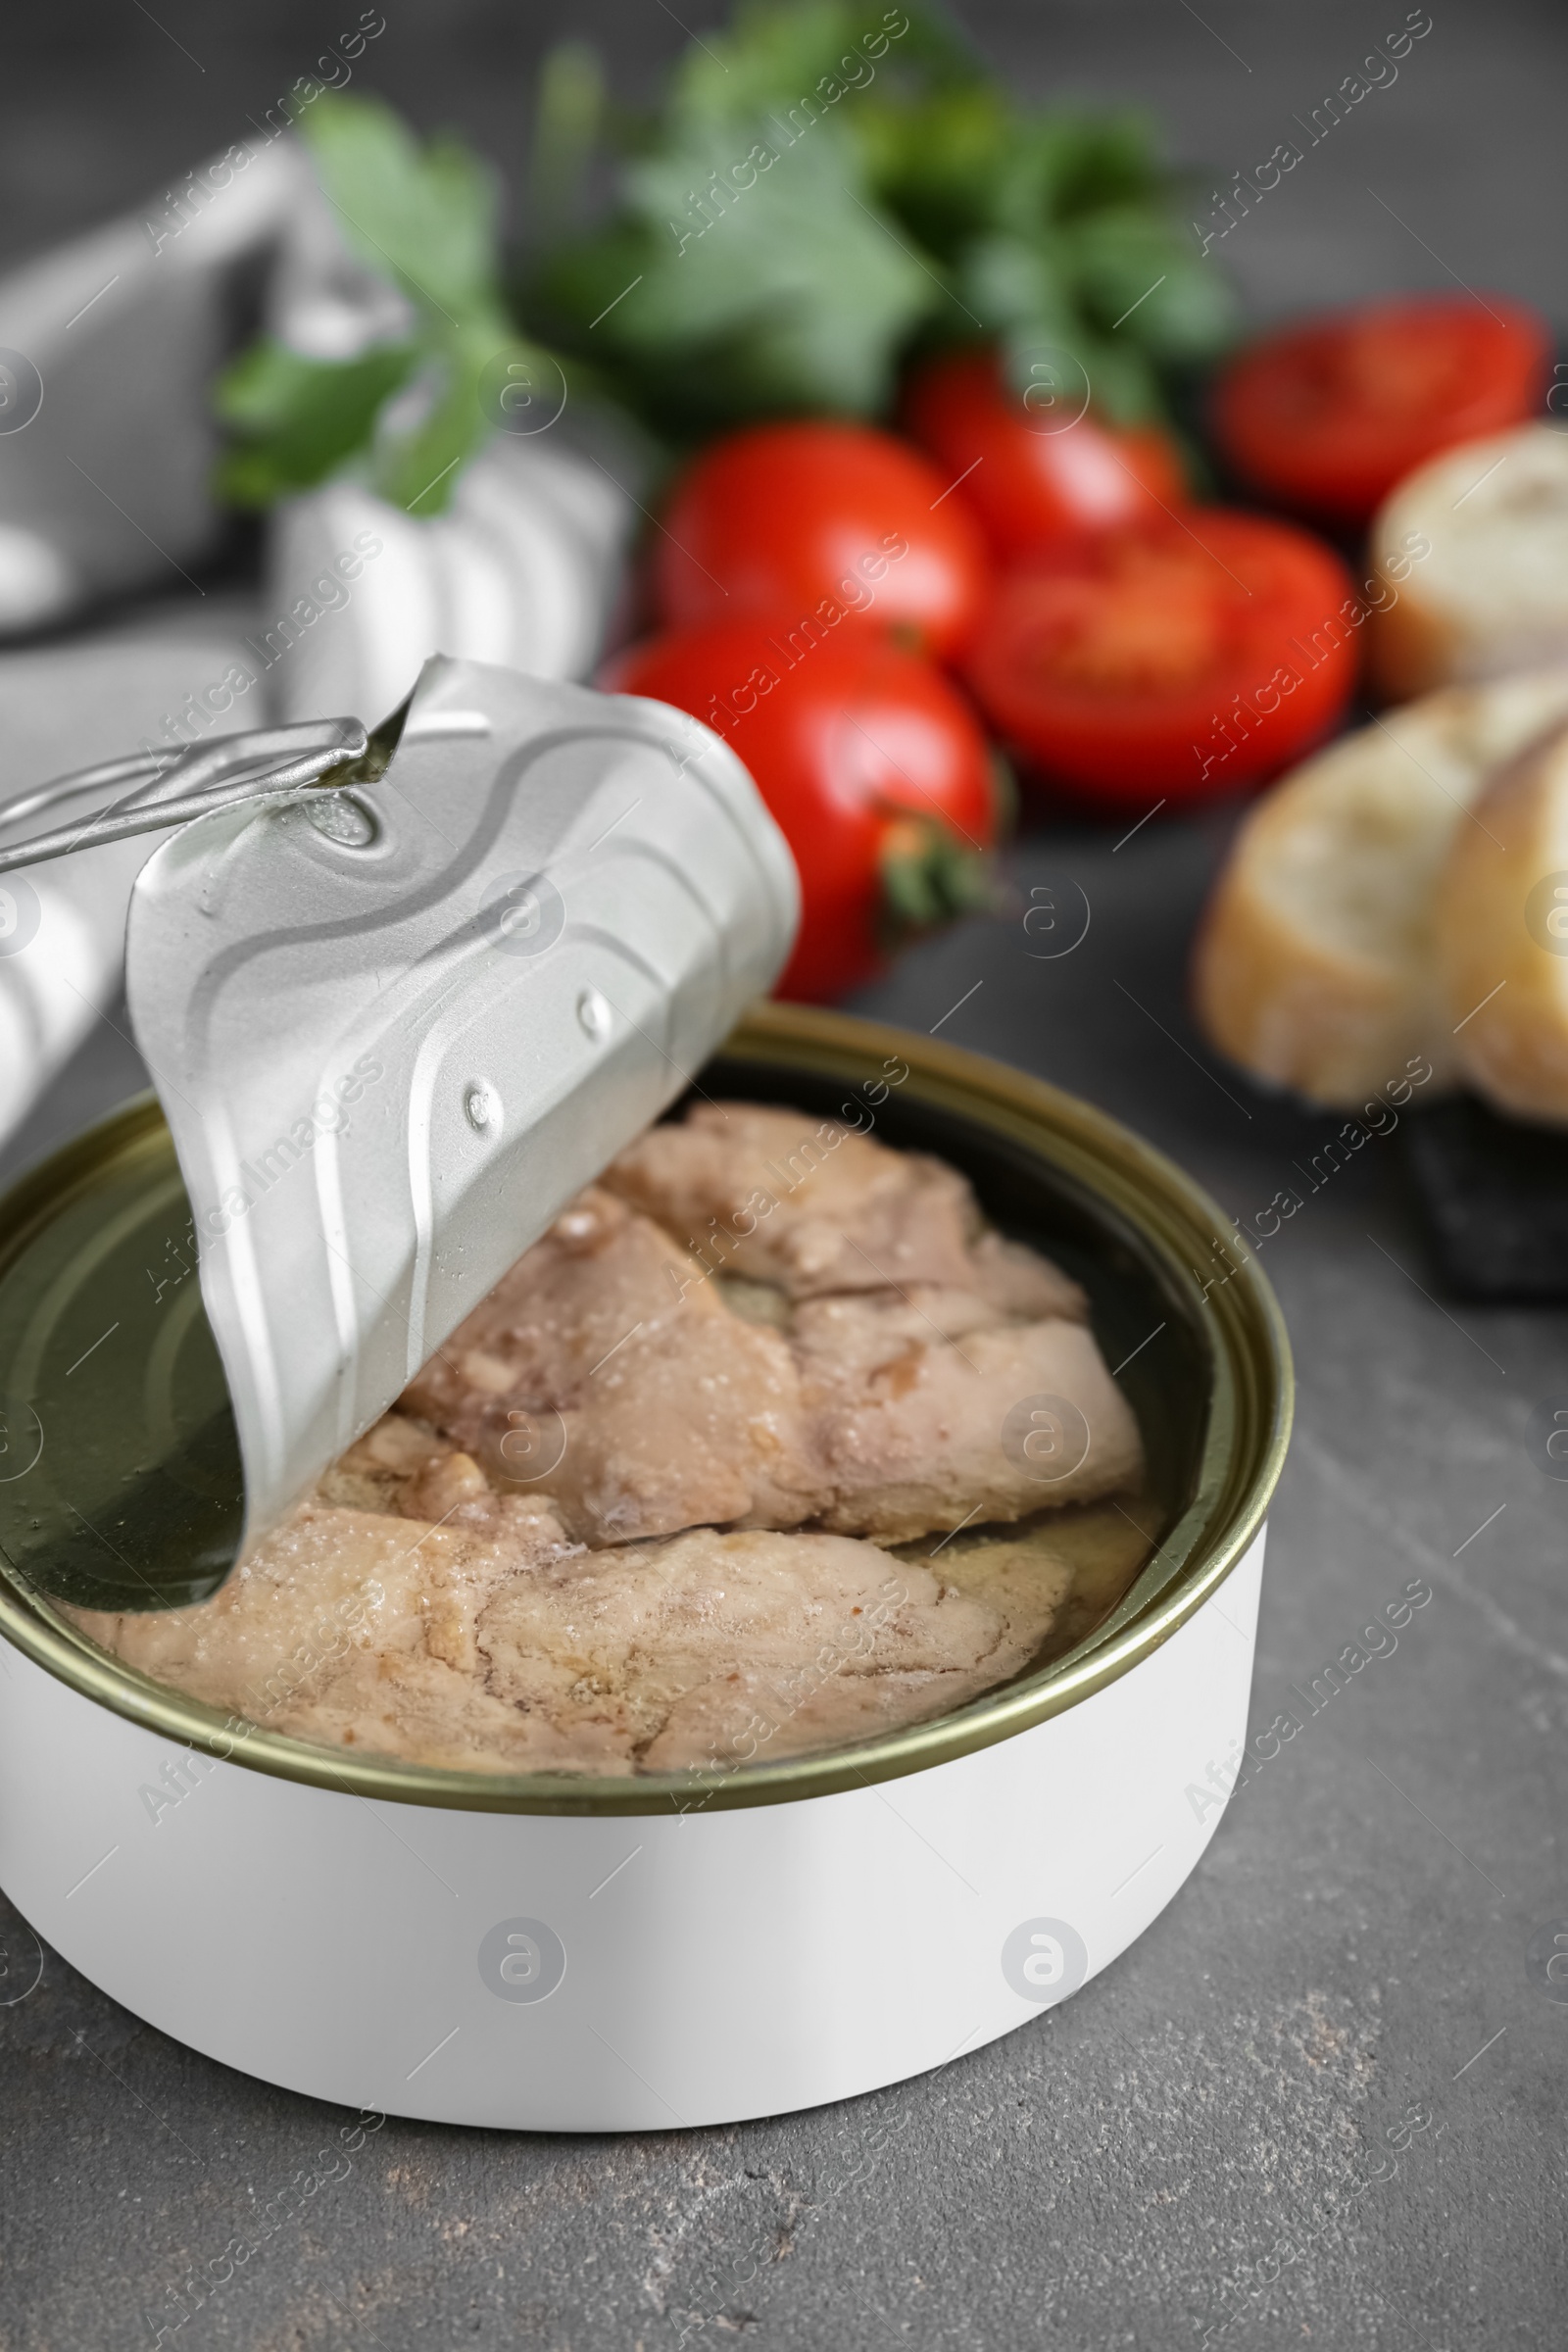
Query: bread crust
{"type": "Point", "coordinates": [1466, 612]}
{"type": "Point", "coordinates": [1335, 1008]}
{"type": "Point", "coordinates": [1507, 989]}
{"type": "Point", "coordinates": [1412, 648]}
{"type": "Point", "coordinates": [1292, 1009]}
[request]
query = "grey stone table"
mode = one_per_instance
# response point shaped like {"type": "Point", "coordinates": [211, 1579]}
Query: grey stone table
{"type": "Point", "coordinates": [1323, 2099]}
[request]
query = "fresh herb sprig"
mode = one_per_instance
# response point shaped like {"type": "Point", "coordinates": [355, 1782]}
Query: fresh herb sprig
{"type": "Point", "coordinates": [824, 191]}
{"type": "Point", "coordinates": [425, 219]}
{"type": "Point", "coordinates": [821, 194]}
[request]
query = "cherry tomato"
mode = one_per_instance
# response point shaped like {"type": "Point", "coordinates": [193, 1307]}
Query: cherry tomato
{"type": "Point", "coordinates": [823, 519]}
{"type": "Point", "coordinates": [1327, 416]}
{"type": "Point", "coordinates": [1031, 472]}
{"type": "Point", "coordinates": [871, 762]}
{"type": "Point", "coordinates": [1176, 660]}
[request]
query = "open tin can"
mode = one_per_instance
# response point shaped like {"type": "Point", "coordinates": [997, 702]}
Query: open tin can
{"type": "Point", "coordinates": [645, 1953]}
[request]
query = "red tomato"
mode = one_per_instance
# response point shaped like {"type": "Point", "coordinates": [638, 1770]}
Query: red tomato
{"type": "Point", "coordinates": [1028, 478]}
{"type": "Point", "coordinates": [1329, 415]}
{"type": "Point", "coordinates": [872, 763]}
{"type": "Point", "coordinates": [820, 520]}
{"type": "Point", "coordinates": [1176, 660]}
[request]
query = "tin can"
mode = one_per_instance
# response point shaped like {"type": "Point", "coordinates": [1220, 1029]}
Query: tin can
{"type": "Point", "coordinates": [647, 1953]}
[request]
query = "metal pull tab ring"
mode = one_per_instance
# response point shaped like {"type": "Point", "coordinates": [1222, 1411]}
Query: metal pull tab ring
{"type": "Point", "coordinates": [265, 763]}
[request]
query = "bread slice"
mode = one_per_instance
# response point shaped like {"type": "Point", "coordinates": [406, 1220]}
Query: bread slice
{"type": "Point", "coordinates": [1317, 964]}
{"type": "Point", "coordinates": [1503, 922]}
{"type": "Point", "coordinates": [1488, 598]}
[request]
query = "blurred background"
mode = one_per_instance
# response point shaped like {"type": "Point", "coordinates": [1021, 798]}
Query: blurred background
{"type": "Point", "coordinates": [99, 108]}
{"type": "Point", "coordinates": [1341, 1959]}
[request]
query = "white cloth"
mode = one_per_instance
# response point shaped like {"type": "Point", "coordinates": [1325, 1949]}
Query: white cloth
{"type": "Point", "coordinates": [105, 488]}
{"type": "Point", "coordinates": [64, 707]}
{"type": "Point", "coordinates": [524, 571]}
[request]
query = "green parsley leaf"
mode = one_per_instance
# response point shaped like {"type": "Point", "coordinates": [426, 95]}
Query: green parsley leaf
{"type": "Point", "coordinates": [408, 414]}
{"type": "Point", "coordinates": [736, 270]}
{"type": "Point", "coordinates": [298, 420]}
{"type": "Point", "coordinates": [425, 216]}
{"type": "Point", "coordinates": [802, 215]}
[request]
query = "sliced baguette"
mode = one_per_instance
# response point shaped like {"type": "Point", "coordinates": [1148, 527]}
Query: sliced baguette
{"type": "Point", "coordinates": [1503, 923]}
{"type": "Point", "coordinates": [1317, 964]}
{"type": "Point", "coordinates": [1488, 598]}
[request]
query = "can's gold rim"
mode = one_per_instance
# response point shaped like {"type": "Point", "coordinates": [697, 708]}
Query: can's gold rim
{"type": "Point", "coordinates": [1245, 1450]}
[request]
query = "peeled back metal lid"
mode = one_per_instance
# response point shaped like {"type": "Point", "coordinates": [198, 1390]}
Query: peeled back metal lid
{"type": "Point", "coordinates": [396, 1016]}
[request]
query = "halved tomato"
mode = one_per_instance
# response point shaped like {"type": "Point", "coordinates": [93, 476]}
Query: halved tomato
{"type": "Point", "coordinates": [1032, 472]}
{"type": "Point", "coordinates": [1327, 416]}
{"type": "Point", "coordinates": [1179, 659]}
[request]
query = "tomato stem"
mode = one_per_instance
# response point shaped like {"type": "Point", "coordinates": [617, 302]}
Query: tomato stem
{"type": "Point", "coordinates": [930, 876]}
